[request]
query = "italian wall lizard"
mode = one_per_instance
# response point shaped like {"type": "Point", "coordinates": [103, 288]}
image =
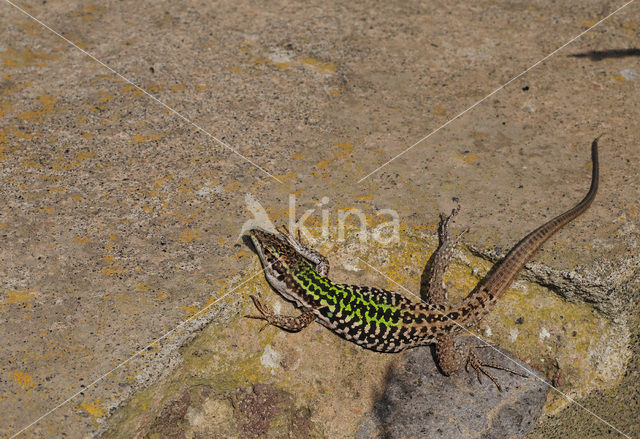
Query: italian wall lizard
{"type": "Point", "coordinates": [385, 321]}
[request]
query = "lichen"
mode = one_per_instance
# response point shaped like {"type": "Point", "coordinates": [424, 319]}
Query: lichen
{"type": "Point", "coordinates": [576, 347]}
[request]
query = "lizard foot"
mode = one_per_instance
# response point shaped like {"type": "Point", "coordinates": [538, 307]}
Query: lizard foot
{"type": "Point", "coordinates": [321, 263]}
{"type": "Point", "coordinates": [295, 241]}
{"type": "Point", "coordinates": [288, 323]}
{"type": "Point", "coordinates": [265, 313]}
{"type": "Point", "coordinates": [474, 360]}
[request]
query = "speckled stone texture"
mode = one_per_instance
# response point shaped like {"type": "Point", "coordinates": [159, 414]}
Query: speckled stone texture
{"type": "Point", "coordinates": [119, 220]}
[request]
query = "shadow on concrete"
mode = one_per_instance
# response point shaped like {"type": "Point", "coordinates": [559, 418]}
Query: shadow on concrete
{"type": "Point", "coordinates": [599, 55]}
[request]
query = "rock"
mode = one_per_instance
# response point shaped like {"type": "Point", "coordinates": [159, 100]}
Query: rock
{"type": "Point", "coordinates": [419, 400]}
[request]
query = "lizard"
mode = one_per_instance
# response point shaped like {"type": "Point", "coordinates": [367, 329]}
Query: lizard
{"type": "Point", "coordinates": [389, 322]}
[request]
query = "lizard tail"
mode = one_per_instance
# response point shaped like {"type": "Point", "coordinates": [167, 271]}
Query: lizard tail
{"type": "Point", "coordinates": [486, 294]}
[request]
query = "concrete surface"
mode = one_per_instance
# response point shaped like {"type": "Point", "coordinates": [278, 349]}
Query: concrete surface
{"type": "Point", "coordinates": [118, 220]}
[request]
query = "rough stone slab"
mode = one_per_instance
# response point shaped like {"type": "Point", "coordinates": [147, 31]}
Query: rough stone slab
{"type": "Point", "coordinates": [419, 401]}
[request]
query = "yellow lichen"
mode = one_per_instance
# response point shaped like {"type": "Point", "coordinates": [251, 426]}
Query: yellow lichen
{"type": "Point", "coordinates": [94, 408]}
{"type": "Point", "coordinates": [22, 379]}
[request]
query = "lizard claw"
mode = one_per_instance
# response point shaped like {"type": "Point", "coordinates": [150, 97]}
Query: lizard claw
{"type": "Point", "coordinates": [474, 360]}
{"type": "Point", "coordinates": [262, 309]}
{"type": "Point", "coordinates": [282, 229]}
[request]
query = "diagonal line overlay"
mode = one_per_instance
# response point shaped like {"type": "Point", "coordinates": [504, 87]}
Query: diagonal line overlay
{"type": "Point", "coordinates": [492, 93]}
{"type": "Point", "coordinates": [127, 80]}
{"type": "Point", "coordinates": [154, 342]}
{"type": "Point", "coordinates": [490, 345]}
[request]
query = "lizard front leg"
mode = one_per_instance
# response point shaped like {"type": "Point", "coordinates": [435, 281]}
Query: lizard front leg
{"type": "Point", "coordinates": [320, 262]}
{"type": "Point", "coordinates": [432, 283]}
{"type": "Point", "coordinates": [288, 323]}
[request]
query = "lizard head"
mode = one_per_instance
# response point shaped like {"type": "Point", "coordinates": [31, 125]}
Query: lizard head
{"type": "Point", "coordinates": [275, 253]}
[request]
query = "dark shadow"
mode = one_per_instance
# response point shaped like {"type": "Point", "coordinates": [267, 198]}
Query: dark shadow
{"type": "Point", "coordinates": [246, 240]}
{"type": "Point", "coordinates": [426, 275]}
{"type": "Point", "coordinates": [599, 55]}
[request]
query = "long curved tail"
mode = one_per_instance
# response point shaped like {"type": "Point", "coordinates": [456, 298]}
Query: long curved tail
{"type": "Point", "coordinates": [485, 295]}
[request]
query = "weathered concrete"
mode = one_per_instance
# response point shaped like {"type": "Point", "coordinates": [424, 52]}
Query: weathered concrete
{"type": "Point", "coordinates": [118, 220]}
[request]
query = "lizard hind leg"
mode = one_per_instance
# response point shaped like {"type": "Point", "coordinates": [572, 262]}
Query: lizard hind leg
{"type": "Point", "coordinates": [450, 361]}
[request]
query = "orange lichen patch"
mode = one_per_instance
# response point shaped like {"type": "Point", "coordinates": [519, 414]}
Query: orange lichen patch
{"type": "Point", "coordinates": [469, 158]}
{"type": "Point", "coordinates": [159, 182]}
{"type": "Point", "coordinates": [367, 197]}
{"type": "Point", "coordinates": [287, 177]}
{"type": "Point", "coordinates": [478, 135]}
{"type": "Point", "coordinates": [32, 163]}
{"type": "Point", "coordinates": [143, 286]}
{"type": "Point", "coordinates": [22, 298]}
{"type": "Point", "coordinates": [61, 164]}
{"type": "Point", "coordinates": [30, 27]}
{"type": "Point", "coordinates": [89, 12]}
{"type": "Point", "coordinates": [47, 105]}
{"type": "Point", "coordinates": [177, 87]}
{"type": "Point", "coordinates": [84, 155]}
{"type": "Point", "coordinates": [620, 78]}
{"type": "Point", "coordinates": [283, 65]}
{"type": "Point", "coordinates": [161, 295]}
{"type": "Point", "coordinates": [242, 253]}
{"type": "Point", "coordinates": [189, 236]}
{"type": "Point", "coordinates": [299, 155]}
{"type": "Point", "coordinates": [132, 89]}
{"type": "Point", "coordinates": [335, 91]}
{"type": "Point", "coordinates": [15, 132]}
{"type": "Point", "coordinates": [148, 138]}
{"type": "Point", "coordinates": [95, 408]}
{"type": "Point", "coordinates": [588, 23]}
{"type": "Point", "coordinates": [326, 68]}
{"type": "Point", "coordinates": [185, 187]}
{"type": "Point", "coordinates": [191, 310]}
{"type": "Point", "coordinates": [56, 189]}
{"type": "Point", "coordinates": [112, 267]}
{"type": "Point", "coordinates": [630, 28]}
{"type": "Point", "coordinates": [22, 379]}
{"type": "Point", "coordinates": [439, 111]}
{"type": "Point", "coordinates": [232, 187]}
{"type": "Point", "coordinates": [13, 58]}
{"type": "Point", "coordinates": [105, 98]}
{"type": "Point", "coordinates": [5, 107]}
{"type": "Point", "coordinates": [345, 150]}
{"type": "Point", "coordinates": [323, 164]}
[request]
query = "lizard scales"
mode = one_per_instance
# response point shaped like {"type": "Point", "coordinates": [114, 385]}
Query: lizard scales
{"type": "Point", "coordinates": [383, 320]}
